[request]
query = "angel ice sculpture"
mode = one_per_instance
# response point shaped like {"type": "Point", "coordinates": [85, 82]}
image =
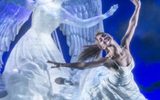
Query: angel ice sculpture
{"type": "Point", "coordinates": [26, 70]}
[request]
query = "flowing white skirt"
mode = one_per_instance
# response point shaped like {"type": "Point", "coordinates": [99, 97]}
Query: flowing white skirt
{"type": "Point", "coordinates": [27, 75]}
{"type": "Point", "coordinates": [105, 84]}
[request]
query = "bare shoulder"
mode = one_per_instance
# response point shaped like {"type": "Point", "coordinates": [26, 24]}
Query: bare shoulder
{"type": "Point", "coordinates": [126, 53]}
{"type": "Point", "coordinates": [125, 58]}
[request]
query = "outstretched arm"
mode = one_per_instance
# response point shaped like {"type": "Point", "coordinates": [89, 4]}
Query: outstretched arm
{"type": "Point", "coordinates": [132, 25]}
{"type": "Point", "coordinates": [68, 18]}
{"type": "Point", "coordinates": [80, 65]}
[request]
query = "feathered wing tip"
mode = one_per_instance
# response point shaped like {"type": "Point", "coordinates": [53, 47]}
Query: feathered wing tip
{"type": "Point", "coordinates": [12, 17]}
{"type": "Point", "coordinates": [3, 91]}
{"type": "Point", "coordinates": [1, 62]}
{"type": "Point", "coordinates": [90, 51]}
{"type": "Point", "coordinates": [77, 37]}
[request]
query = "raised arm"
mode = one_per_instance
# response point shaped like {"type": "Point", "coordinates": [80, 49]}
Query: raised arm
{"type": "Point", "coordinates": [132, 25]}
{"type": "Point", "coordinates": [68, 18]}
{"type": "Point", "coordinates": [80, 65]}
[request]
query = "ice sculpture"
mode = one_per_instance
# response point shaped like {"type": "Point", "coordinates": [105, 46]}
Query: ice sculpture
{"type": "Point", "coordinates": [27, 76]}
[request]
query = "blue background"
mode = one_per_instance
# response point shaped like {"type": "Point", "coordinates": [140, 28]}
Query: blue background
{"type": "Point", "coordinates": [144, 47]}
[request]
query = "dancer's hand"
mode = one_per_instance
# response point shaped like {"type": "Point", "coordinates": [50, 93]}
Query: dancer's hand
{"type": "Point", "coordinates": [55, 64]}
{"type": "Point", "coordinates": [137, 3]}
{"type": "Point", "coordinates": [111, 11]}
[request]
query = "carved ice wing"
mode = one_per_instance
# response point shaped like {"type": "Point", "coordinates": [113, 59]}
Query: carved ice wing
{"type": "Point", "coordinates": [12, 17]}
{"type": "Point", "coordinates": [78, 37]}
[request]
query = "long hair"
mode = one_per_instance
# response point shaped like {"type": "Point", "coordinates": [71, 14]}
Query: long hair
{"type": "Point", "coordinates": [90, 51]}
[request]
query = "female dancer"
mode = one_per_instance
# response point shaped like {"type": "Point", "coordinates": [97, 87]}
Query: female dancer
{"type": "Point", "coordinates": [118, 55]}
{"type": "Point", "coordinates": [120, 84]}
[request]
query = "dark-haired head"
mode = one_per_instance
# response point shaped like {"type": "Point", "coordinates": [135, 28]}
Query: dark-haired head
{"type": "Point", "coordinates": [103, 40]}
{"type": "Point", "coordinates": [103, 34]}
{"type": "Point", "coordinates": [93, 51]}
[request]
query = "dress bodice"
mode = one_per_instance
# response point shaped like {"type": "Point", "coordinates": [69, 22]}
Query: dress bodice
{"type": "Point", "coordinates": [46, 18]}
{"type": "Point", "coordinates": [123, 75]}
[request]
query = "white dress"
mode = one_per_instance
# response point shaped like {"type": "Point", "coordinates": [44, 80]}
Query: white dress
{"type": "Point", "coordinates": [113, 85]}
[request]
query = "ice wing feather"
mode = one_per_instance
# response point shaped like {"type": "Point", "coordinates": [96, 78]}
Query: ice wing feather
{"type": "Point", "coordinates": [12, 17]}
{"type": "Point", "coordinates": [78, 37]}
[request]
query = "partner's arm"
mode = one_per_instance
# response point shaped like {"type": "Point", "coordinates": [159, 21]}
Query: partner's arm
{"type": "Point", "coordinates": [132, 25]}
